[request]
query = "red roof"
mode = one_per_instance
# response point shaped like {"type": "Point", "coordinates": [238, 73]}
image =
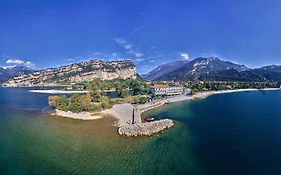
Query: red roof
{"type": "Point", "coordinates": [160, 86]}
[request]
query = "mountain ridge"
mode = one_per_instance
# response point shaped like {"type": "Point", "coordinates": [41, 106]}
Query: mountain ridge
{"type": "Point", "coordinates": [195, 68]}
{"type": "Point", "coordinates": [10, 72]}
{"type": "Point", "coordinates": [163, 69]}
{"type": "Point", "coordinates": [215, 69]}
{"type": "Point", "coordinates": [76, 73]}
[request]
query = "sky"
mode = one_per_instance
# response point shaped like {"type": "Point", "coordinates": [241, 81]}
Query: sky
{"type": "Point", "coordinates": [52, 33]}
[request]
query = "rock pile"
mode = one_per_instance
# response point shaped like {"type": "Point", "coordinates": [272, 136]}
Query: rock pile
{"type": "Point", "coordinates": [145, 129]}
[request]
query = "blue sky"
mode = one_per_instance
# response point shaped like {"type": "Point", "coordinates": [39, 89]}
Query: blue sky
{"type": "Point", "coordinates": [52, 33]}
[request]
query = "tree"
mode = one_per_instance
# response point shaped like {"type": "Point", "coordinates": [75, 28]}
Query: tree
{"type": "Point", "coordinates": [153, 95]}
{"type": "Point", "coordinates": [97, 107]}
{"type": "Point", "coordinates": [138, 87]}
{"type": "Point", "coordinates": [122, 90]}
{"type": "Point", "coordinates": [85, 102]}
{"type": "Point", "coordinates": [74, 103]}
{"type": "Point", "coordinates": [62, 103]}
{"type": "Point", "coordinates": [141, 100]}
{"type": "Point", "coordinates": [95, 90]}
{"type": "Point", "coordinates": [124, 93]}
{"type": "Point", "coordinates": [53, 101]}
{"type": "Point", "coordinates": [96, 95]}
{"type": "Point", "coordinates": [96, 84]}
{"type": "Point", "coordinates": [105, 102]}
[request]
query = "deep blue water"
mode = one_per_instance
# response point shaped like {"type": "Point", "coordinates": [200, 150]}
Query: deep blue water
{"type": "Point", "coordinates": [233, 134]}
{"type": "Point", "coordinates": [238, 133]}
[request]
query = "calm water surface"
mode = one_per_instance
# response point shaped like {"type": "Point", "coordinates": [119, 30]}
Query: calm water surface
{"type": "Point", "coordinates": [237, 133]}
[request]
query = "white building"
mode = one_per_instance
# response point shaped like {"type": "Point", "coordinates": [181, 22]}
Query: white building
{"type": "Point", "coordinates": [167, 90]}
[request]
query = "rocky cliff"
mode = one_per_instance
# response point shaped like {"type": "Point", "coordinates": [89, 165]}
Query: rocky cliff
{"type": "Point", "coordinates": [76, 73]}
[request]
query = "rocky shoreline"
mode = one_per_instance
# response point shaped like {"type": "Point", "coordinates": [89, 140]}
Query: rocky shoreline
{"type": "Point", "coordinates": [145, 129]}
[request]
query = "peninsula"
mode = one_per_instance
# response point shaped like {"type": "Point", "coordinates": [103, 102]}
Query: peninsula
{"type": "Point", "coordinates": [93, 89]}
{"type": "Point", "coordinates": [127, 109]}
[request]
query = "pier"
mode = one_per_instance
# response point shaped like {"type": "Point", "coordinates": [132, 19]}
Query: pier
{"type": "Point", "coordinates": [130, 123]}
{"type": "Point", "coordinates": [145, 129]}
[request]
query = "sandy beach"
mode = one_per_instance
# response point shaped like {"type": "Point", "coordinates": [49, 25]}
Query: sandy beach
{"type": "Point", "coordinates": [208, 93]}
{"type": "Point", "coordinates": [53, 91]}
{"type": "Point", "coordinates": [78, 116]}
{"type": "Point", "coordinates": [124, 112]}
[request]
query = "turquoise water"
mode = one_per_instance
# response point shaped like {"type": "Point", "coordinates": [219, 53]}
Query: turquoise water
{"type": "Point", "coordinates": [236, 133]}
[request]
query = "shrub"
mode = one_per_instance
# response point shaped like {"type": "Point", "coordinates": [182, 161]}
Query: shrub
{"type": "Point", "coordinates": [53, 101]}
{"type": "Point", "coordinates": [63, 103]}
{"type": "Point", "coordinates": [86, 102]}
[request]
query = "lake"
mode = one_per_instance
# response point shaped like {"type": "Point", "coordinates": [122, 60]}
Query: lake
{"type": "Point", "coordinates": [237, 133]}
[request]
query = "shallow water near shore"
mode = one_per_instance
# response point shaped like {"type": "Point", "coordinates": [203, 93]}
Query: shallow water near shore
{"type": "Point", "coordinates": [235, 133]}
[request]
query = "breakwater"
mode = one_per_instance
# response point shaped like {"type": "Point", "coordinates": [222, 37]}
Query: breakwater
{"type": "Point", "coordinates": [145, 129]}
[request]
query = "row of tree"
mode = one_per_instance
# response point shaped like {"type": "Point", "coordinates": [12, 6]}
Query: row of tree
{"type": "Point", "coordinates": [216, 86]}
{"type": "Point", "coordinates": [95, 99]}
{"type": "Point", "coordinates": [79, 103]}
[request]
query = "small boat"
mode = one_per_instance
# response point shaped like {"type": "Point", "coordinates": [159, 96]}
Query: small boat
{"type": "Point", "coordinates": [149, 119]}
{"type": "Point", "coordinates": [168, 102]}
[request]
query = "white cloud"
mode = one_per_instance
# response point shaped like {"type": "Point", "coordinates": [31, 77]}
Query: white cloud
{"type": "Point", "coordinates": [119, 40]}
{"type": "Point", "coordinates": [184, 56]}
{"type": "Point", "coordinates": [152, 61]}
{"type": "Point", "coordinates": [29, 64]}
{"type": "Point", "coordinates": [96, 53]}
{"type": "Point", "coordinates": [130, 48]}
{"type": "Point", "coordinates": [14, 61]}
{"type": "Point", "coordinates": [139, 59]}
{"type": "Point", "coordinates": [123, 43]}
{"type": "Point", "coordinates": [6, 67]}
{"type": "Point", "coordinates": [138, 54]}
{"type": "Point", "coordinates": [70, 59]}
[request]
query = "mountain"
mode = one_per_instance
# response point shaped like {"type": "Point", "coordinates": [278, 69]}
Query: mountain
{"type": "Point", "coordinates": [76, 73]}
{"type": "Point", "coordinates": [198, 68]}
{"type": "Point", "coordinates": [264, 74]}
{"type": "Point", "coordinates": [10, 72]}
{"type": "Point", "coordinates": [269, 73]}
{"type": "Point", "coordinates": [163, 69]}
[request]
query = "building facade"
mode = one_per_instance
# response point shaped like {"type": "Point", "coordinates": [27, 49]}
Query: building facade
{"type": "Point", "coordinates": [167, 90]}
